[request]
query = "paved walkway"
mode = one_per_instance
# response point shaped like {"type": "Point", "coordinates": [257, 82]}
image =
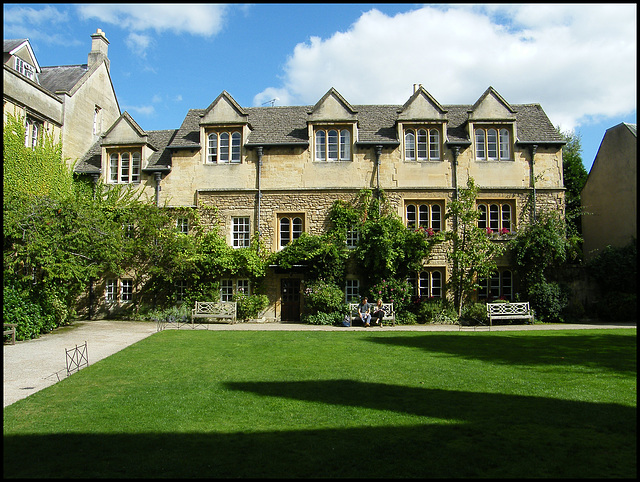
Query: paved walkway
{"type": "Point", "coordinates": [30, 366]}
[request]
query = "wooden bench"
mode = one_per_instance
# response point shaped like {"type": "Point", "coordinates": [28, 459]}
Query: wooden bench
{"type": "Point", "coordinates": [10, 329]}
{"type": "Point", "coordinates": [389, 315]}
{"type": "Point", "coordinates": [509, 311]}
{"type": "Point", "coordinates": [218, 310]}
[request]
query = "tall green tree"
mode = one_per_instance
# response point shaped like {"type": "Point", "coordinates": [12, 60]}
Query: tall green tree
{"type": "Point", "coordinates": [473, 252]}
{"type": "Point", "coordinates": [575, 176]}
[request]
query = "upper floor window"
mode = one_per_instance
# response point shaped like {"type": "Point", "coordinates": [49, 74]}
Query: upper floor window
{"type": "Point", "coordinates": [496, 217]}
{"type": "Point", "coordinates": [333, 145]}
{"type": "Point", "coordinates": [353, 236]}
{"type": "Point", "coordinates": [421, 145]}
{"type": "Point", "coordinates": [290, 227]}
{"type": "Point", "coordinates": [493, 144]}
{"type": "Point", "coordinates": [241, 232]}
{"type": "Point", "coordinates": [224, 147]}
{"type": "Point", "coordinates": [33, 132]}
{"type": "Point", "coordinates": [25, 69]}
{"type": "Point", "coordinates": [124, 167]}
{"type": "Point", "coordinates": [423, 215]}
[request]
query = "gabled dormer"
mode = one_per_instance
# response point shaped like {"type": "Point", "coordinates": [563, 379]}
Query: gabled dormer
{"type": "Point", "coordinates": [224, 128]}
{"type": "Point", "coordinates": [19, 56]}
{"type": "Point", "coordinates": [333, 128]}
{"type": "Point", "coordinates": [125, 151]}
{"type": "Point", "coordinates": [422, 125]}
{"type": "Point", "coordinates": [492, 127]}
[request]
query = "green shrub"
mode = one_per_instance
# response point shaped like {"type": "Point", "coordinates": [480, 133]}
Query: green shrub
{"type": "Point", "coordinates": [323, 297]}
{"type": "Point", "coordinates": [393, 291]}
{"type": "Point", "coordinates": [321, 318]}
{"type": "Point", "coordinates": [28, 315]}
{"type": "Point", "coordinates": [474, 313]}
{"type": "Point", "coordinates": [405, 318]}
{"type": "Point", "coordinates": [618, 307]}
{"type": "Point", "coordinates": [549, 301]}
{"type": "Point", "coordinates": [250, 306]}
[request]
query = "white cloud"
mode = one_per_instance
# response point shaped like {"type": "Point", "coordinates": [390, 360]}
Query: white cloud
{"type": "Point", "coordinates": [577, 61]}
{"type": "Point", "coordinates": [32, 23]}
{"type": "Point", "coordinates": [198, 19]}
{"type": "Point", "coordinates": [142, 110]}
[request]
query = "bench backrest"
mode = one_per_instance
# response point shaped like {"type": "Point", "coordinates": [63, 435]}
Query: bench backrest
{"type": "Point", "coordinates": [215, 307]}
{"type": "Point", "coordinates": [386, 307]}
{"type": "Point", "coordinates": [519, 308]}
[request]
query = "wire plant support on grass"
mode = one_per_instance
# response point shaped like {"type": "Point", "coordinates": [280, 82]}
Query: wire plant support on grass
{"type": "Point", "coordinates": [77, 357]}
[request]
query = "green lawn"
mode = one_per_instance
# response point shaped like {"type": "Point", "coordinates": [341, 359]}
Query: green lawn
{"type": "Point", "coordinates": [339, 404]}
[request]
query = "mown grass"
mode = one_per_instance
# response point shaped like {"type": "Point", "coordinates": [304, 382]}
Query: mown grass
{"type": "Point", "coordinates": [338, 404]}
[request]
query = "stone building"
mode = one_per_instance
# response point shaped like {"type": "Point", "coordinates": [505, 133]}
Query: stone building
{"type": "Point", "coordinates": [74, 103]}
{"type": "Point", "coordinates": [609, 197]}
{"type": "Point", "coordinates": [276, 171]}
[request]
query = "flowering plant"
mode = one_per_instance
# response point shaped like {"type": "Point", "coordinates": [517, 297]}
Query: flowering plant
{"type": "Point", "coordinates": [393, 291]}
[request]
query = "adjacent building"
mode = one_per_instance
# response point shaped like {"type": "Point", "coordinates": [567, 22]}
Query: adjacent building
{"type": "Point", "coordinates": [609, 197]}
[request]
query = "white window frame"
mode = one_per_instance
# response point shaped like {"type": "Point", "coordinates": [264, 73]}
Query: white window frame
{"type": "Point", "coordinates": [492, 143]}
{"type": "Point", "coordinates": [353, 236]}
{"type": "Point", "coordinates": [226, 289]}
{"type": "Point", "coordinates": [332, 144]}
{"type": "Point", "coordinates": [290, 227]}
{"type": "Point", "coordinates": [499, 285]}
{"type": "Point", "coordinates": [352, 290]}
{"type": "Point", "coordinates": [243, 285]}
{"type": "Point", "coordinates": [240, 231]}
{"type": "Point", "coordinates": [496, 216]}
{"type": "Point", "coordinates": [421, 144]}
{"type": "Point", "coordinates": [25, 68]}
{"type": "Point", "coordinates": [124, 166]}
{"type": "Point", "coordinates": [182, 224]}
{"type": "Point", "coordinates": [126, 290]}
{"type": "Point", "coordinates": [423, 214]}
{"type": "Point", "coordinates": [224, 147]}
{"type": "Point", "coordinates": [111, 290]}
{"type": "Point", "coordinates": [428, 283]}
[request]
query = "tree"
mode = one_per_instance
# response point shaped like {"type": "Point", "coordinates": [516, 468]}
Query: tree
{"type": "Point", "coordinates": [473, 253]}
{"type": "Point", "coordinates": [575, 176]}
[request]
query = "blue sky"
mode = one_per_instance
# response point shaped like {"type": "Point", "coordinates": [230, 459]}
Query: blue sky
{"type": "Point", "coordinates": [577, 61]}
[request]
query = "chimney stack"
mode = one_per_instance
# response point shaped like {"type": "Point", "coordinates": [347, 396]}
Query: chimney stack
{"type": "Point", "coordinates": [99, 48]}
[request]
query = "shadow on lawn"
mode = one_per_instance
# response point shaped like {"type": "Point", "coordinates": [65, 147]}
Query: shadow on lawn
{"type": "Point", "coordinates": [615, 352]}
{"type": "Point", "coordinates": [463, 434]}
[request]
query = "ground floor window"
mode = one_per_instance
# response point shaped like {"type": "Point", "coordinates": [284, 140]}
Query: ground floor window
{"type": "Point", "coordinates": [427, 283]}
{"type": "Point", "coordinates": [498, 286]}
{"type": "Point", "coordinates": [352, 291]}
{"type": "Point", "coordinates": [228, 287]}
{"type": "Point", "coordinates": [118, 290]}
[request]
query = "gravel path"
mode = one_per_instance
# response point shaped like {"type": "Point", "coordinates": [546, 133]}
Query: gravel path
{"type": "Point", "coordinates": [30, 366]}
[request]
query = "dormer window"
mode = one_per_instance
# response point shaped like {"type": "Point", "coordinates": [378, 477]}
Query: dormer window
{"type": "Point", "coordinates": [422, 144]}
{"type": "Point", "coordinates": [25, 69]}
{"type": "Point", "coordinates": [493, 144]}
{"type": "Point", "coordinates": [223, 147]}
{"type": "Point", "coordinates": [332, 144]}
{"type": "Point", "coordinates": [124, 166]}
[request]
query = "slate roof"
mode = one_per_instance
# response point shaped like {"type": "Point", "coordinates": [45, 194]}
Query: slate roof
{"type": "Point", "coordinates": [61, 78]}
{"type": "Point", "coordinates": [376, 125]}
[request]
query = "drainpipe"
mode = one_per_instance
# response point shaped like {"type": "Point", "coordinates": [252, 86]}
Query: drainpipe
{"type": "Point", "coordinates": [533, 148]}
{"type": "Point", "coordinates": [157, 176]}
{"type": "Point", "coordinates": [454, 168]}
{"type": "Point", "coordinates": [378, 152]}
{"type": "Point", "coordinates": [259, 167]}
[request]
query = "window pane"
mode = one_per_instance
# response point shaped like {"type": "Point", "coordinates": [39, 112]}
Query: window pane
{"type": "Point", "coordinates": [507, 288]}
{"type": "Point", "coordinates": [506, 217]}
{"type": "Point", "coordinates": [235, 147]}
{"type": "Point", "coordinates": [492, 144]}
{"type": "Point", "coordinates": [422, 144]}
{"type": "Point", "coordinates": [410, 146]}
{"type": "Point", "coordinates": [434, 144]}
{"type": "Point", "coordinates": [436, 217]}
{"type": "Point", "coordinates": [135, 167]}
{"type": "Point", "coordinates": [436, 284]}
{"type": "Point", "coordinates": [127, 290]}
{"type": "Point", "coordinates": [297, 228]}
{"type": "Point", "coordinates": [113, 168]}
{"type": "Point", "coordinates": [411, 216]}
{"type": "Point", "coordinates": [504, 144]}
{"type": "Point", "coordinates": [494, 286]}
{"type": "Point", "coordinates": [423, 219]}
{"type": "Point", "coordinates": [124, 167]}
{"type": "Point", "coordinates": [224, 147]}
{"type": "Point", "coordinates": [480, 144]}
{"type": "Point", "coordinates": [320, 146]}
{"type": "Point", "coordinates": [212, 155]}
{"type": "Point", "coordinates": [494, 222]}
{"type": "Point", "coordinates": [423, 288]}
{"type": "Point", "coordinates": [240, 232]}
{"type": "Point", "coordinates": [482, 219]}
{"type": "Point", "coordinates": [332, 149]}
{"type": "Point", "coordinates": [345, 145]}
{"type": "Point", "coordinates": [285, 232]}
{"type": "Point", "coordinates": [226, 290]}
{"type": "Point", "coordinates": [243, 286]}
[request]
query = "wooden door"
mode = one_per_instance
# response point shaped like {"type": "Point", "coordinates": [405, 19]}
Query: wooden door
{"type": "Point", "coordinates": [290, 298]}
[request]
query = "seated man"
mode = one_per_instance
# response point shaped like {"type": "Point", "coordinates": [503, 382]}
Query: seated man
{"type": "Point", "coordinates": [363, 312]}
